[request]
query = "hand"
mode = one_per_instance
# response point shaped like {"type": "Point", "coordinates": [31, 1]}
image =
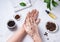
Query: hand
{"type": "Point", "coordinates": [31, 23]}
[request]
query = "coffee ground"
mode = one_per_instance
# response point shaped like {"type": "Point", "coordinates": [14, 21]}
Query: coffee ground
{"type": "Point", "coordinates": [46, 34]}
{"type": "Point", "coordinates": [11, 23]}
{"type": "Point", "coordinates": [17, 17]}
{"type": "Point", "coordinates": [51, 26]}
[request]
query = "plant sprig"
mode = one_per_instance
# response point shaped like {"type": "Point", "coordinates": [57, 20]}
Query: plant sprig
{"type": "Point", "coordinates": [49, 2]}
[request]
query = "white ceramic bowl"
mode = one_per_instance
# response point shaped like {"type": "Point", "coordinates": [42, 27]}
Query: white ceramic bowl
{"type": "Point", "coordinates": [57, 27]}
{"type": "Point", "coordinates": [17, 19]}
{"type": "Point", "coordinates": [12, 26]}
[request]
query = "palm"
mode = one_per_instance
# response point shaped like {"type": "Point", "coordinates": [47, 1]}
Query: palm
{"type": "Point", "coordinates": [31, 22]}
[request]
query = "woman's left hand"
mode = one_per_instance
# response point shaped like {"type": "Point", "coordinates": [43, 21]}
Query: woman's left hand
{"type": "Point", "coordinates": [31, 22]}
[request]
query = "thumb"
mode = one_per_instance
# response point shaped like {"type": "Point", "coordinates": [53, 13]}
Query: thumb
{"type": "Point", "coordinates": [37, 21]}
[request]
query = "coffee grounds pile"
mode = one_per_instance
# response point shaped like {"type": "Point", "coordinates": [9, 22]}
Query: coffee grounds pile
{"type": "Point", "coordinates": [11, 23]}
{"type": "Point", "coordinates": [51, 26]}
{"type": "Point", "coordinates": [17, 17]}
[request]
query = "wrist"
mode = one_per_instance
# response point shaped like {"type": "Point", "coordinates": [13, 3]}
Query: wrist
{"type": "Point", "coordinates": [37, 38]}
{"type": "Point", "coordinates": [35, 35]}
{"type": "Point", "coordinates": [22, 31]}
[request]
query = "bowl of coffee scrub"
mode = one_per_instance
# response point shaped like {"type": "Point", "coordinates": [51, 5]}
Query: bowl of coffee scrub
{"type": "Point", "coordinates": [11, 25]}
{"type": "Point", "coordinates": [17, 17]}
{"type": "Point", "coordinates": [51, 26]}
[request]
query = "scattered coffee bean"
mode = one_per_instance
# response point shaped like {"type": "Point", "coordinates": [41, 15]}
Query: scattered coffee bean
{"type": "Point", "coordinates": [46, 34]}
{"type": "Point", "coordinates": [47, 38]}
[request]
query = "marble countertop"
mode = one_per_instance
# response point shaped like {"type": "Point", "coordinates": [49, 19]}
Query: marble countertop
{"type": "Point", "coordinates": [7, 13]}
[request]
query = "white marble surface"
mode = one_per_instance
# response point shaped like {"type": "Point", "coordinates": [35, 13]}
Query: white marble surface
{"type": "Point", "coordinates": [7, 13]}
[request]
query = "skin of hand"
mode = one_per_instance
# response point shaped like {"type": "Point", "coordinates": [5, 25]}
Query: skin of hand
{"type": "Point", "coordinates": [21, 33]}
{"type": "Point", "coordinates": [31, 25]}
{"type": "Point", "coordinates": [32, 22]}
{"type": "Point", "coordinates": [18, 36]}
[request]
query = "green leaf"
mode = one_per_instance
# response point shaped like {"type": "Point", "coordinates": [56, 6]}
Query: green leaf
{"type": "Point", "coordinates": [22, 4]}
{"type": "Point", "coordinates": [47, 1]}
{"type": "Point", "coordinates": [49, 6]}
{"type": "Point", "coordinates": [54, 3]}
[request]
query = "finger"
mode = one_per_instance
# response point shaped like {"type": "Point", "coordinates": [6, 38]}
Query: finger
{"type": "Point", "coordinates": [33, 12]}
{"type": "Point", "coordinates": [36, 15]}
{"type": "Point", "coordinates": [28, 14]}
{"type": "Point", "coordinates": [37, 21]}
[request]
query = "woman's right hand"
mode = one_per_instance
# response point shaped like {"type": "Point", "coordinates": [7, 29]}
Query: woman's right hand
{"type": "Point", "coordinates": [31, 23]}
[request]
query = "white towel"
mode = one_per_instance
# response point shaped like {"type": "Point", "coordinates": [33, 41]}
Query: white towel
{"type": "Point", "coordinates": [18, 7]}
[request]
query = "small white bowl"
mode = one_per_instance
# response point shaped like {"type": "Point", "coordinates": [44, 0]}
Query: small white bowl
{"type": "Point", "coordinates": [15, 18]}
{"type": "Point", "coordinates": [12, 26]}
{"type": "Point", "coordinates": [57, 27]}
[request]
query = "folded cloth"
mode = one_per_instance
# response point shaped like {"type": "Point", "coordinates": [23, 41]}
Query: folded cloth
{"type": "Point", "coordinates": [18, 7]}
